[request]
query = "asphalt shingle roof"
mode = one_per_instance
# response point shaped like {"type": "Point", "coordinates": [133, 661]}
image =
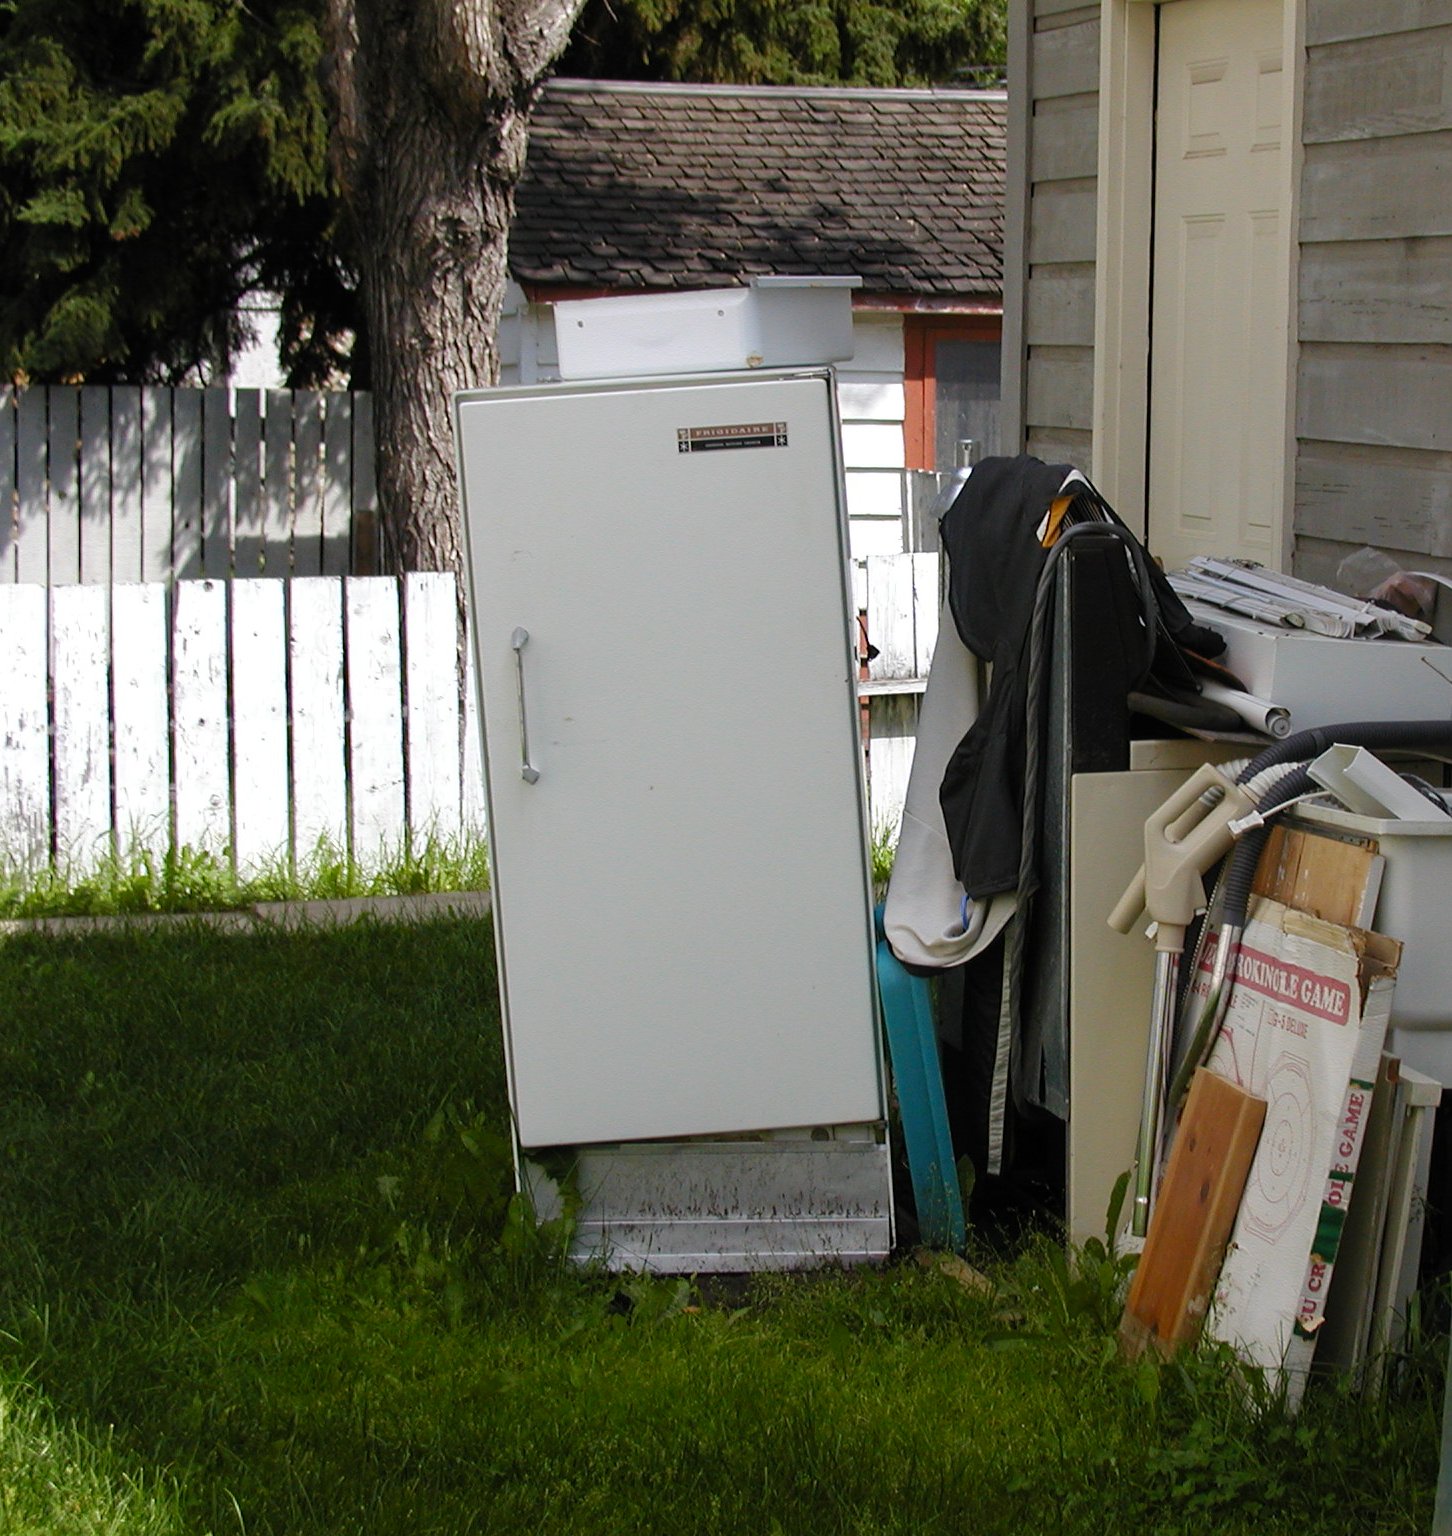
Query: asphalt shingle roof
{"type": "Point", "coordinates": [671, 186]}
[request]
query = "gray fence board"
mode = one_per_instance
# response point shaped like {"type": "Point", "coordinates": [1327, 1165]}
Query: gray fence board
{"type": "Point", "coordinates": [217, 475]}
{"type": "Point", "coordinates": [31, 537]}
{"type": "Point", "coordinates": [157, 511]}
{"type": "Point", "coordinates": [126, 480]}
{"type": "Point", "coordinates": [307, 449]}
{"type": "Point", "coordinates": [336, 552]}
{"type": "Point", "coordinates": [277, 484]}
{"type": "Point", "coordinates": [95, 498]}
{"type": "Point", "coordinates": [63, 523]}
{"type": "Point", "coordinates": [186, 469]}
{"type": "Point", "coordinates": [7, 483]}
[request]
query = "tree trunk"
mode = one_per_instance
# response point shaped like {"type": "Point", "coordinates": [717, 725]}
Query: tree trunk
{"type": "Point", "coordinates": [431, 104]}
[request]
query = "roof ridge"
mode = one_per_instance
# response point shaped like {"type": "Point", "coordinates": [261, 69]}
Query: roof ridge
{"type": "Point", "coordinates": [574, 85]}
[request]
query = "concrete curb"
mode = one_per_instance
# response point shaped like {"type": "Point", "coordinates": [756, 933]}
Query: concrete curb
{"type": "Point", "coordinates": [289, 915]}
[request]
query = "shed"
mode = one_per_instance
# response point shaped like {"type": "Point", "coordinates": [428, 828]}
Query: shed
{"type": "Point", "coordinates": [633, 188]}
{"type": "Point", "coordinates": [1228, 269]}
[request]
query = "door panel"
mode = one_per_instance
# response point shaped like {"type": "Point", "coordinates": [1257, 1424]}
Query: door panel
{"type": "Point", "coordinates": [681, 893]}
{"type": "Point", "coordinates": [1218, 326]}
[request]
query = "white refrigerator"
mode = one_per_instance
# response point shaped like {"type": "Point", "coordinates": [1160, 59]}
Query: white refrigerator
{"type": "Point", "coordinates": [662, 629]}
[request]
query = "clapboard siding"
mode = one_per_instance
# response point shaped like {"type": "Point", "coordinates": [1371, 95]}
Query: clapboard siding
{"type": "Point", "coordinates": [151, 484]}
{"type": "Point", "coordinates": [1390, 396]}
{"type": "Point", "coordinates": [1059, 306]}
{"type": "Point", "coordinates": [1378, 189]}
{"type": "Point", "coordinates": [1061, 387]}
{"type": "Point", "coordinates": [1058, 445]}
{"type": "Point", "coordinates": [1381, 87]}
{"type": "Point", "coordinates": [1063, 62]}
{"type": "Point", "coordinates": [1334, 21]}
{"type": "Point", "coordinates": [1066, 137]}
{"type": "Point", "coordinates": [1056, 236]}
{"type": "Point", "coordinates": [1396, 498]}
{"type": "Point", "coordinates": [1377, 291]}
{"type": "Point", "coordinates": [1374, 370]}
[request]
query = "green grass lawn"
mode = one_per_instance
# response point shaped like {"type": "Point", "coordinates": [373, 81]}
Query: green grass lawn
{"type": "Point", "coordinates": [261, 1272]}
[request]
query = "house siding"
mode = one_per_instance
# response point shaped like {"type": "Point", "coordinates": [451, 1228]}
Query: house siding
{"type": "Point", "coordinates": [1374, 372]}
{"type": "Point", "coordinates": [1050, 369]}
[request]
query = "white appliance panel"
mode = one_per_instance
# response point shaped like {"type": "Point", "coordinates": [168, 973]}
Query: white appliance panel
{"type": "Point", "coordinates": [681, 896]}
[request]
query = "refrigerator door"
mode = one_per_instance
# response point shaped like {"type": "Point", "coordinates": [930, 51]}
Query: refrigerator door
{"type": "Point", "coordinates": [675, 803]}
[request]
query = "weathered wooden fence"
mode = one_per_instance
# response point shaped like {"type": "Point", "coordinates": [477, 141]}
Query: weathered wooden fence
{"type": "Point", "coordinates": [256, 716]}
{"type": "Point", "coordinates": [133, 483]}
{"type": "Point", "coordinates": [262, 717]}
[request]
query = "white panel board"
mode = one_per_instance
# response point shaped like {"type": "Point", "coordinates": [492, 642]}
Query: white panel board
{"type": "Point", "coordinates": [375, 734]}
{"type": "Point", "coordinates": [65, 520]}
{"type": "Point", "coordinates": [315, 657]}
{"type": "Point", "coordinates": [259, 727]}
{"type": "Point", "coordinates": [199, 718]}
{"type": "Point", "coordinates": [721, 979]}
{"type": "Point", "coordinates": [890, 616]}
{"type": "Point", "coordinates": [80, 646]}
{"type": "Point", "coordinates": [140, 708]}
{"type": "Point", "coordinates": [872, 445]}
{"type": "Point", "coordinates": [431, 620]}
{"type": "Point", "coordinates": [24, 731]}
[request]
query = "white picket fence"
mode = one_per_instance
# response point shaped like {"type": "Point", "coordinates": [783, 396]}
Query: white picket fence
{"type": "Point", "coordinates": [132, 483]}
{"type": "Point", "coordinates": [256, 716]}
{"type": "Point", "coordinates": [261, 717]}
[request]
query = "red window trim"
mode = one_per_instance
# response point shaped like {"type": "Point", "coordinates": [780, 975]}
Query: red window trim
{"type": "Point", "coordinates": [920, 335]}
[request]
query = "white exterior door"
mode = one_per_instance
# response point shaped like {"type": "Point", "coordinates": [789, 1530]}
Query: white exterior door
{"type": "Point", "coordinates": [681, 893]}
{"type": "Point", "coordinates": [1218, 369]}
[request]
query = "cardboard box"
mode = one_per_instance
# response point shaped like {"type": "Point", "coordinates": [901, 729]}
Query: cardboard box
{"type": "Point", "coordinates": [1304, 1031]}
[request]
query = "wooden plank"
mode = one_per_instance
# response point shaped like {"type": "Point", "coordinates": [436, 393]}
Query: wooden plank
{"type": "Point", "coordinates": [926, 610]}
{"type": "Point", "coordinates": [875, 493]}
{"type": "Point", "coordinates": [1059, 306]}
{"type": "Point", "coordinates": [1061, 388]}
{"type": "Point", "coordinates": [871, 400]}
{"type": "Point", "coordinates": [1062, 12]}
{"type": "Point", "coordinates": [1066, 61]}
{"type": "Point", "coordinates": [375, 734]}
{"type": "Point", "coordinates": [1193, 1216]}
{"type": "Point", "coordinates": [877, 341]}
{"type": "Point", "coordinates": [1055, 445]}
{"type": "Point", "coordinates": [64, 510]}
{"type": "Point", "coordinates": [126, 498]}
{"type": "Point", "coordinates": [890, 616]}
{"type": "Point", "coordinates": [1378, 87]}
{"type": "Point", "coordinates": [1332, 21]}
{"type": "Point", "coordinates": [1391, 396]}
{"type": "Point", "coordinates": [216, 483]}
{"type": "Point", "coordinates": [25, 824]}
{"type": "Point", "coordinates": [277, 486]}
{"type": "Point", "coordinates": [199, 715]}
{"type": "Point", "coordinates": [32, 542]}
{"type": "Point", "coordinates": [140, 710]}
{"type": "Point", "coordinates": [315, 662]}
{"type": "Point", "coordinates": [367, 545]}
{"type": "Point", "coordinates": [473, 814]}
{"type": "Point", "coordinates": [157, 506]}
{"type": "Point", "coordinates": [893, 727]}
{"type": "Point", "coordinates": [307, 527]}
{"type": "Point", "coordinates": [247, 481]}
{"type": "Point", "coordinates": [94, 525]}
{"type": "Point", "coordinates": [1065, 139]}
{"type": "Point", "coordinates": [1377, 189]}
{"type": "Point", "coordinates": [80, 647]}
{"type": "Point", "coordinates": [1377, 291]}
{"type": "Point", "coordinates": [261, 838]}
{"type": "Point", "coordinates": [337, 530]}
{"type": "Point", "coordinates": [872, 445]}
{"type": "Point", "coordinates": [430, 616]}
{"type": "Point", "coordinates": [7, 482]}
{"type": "Point", "coordinates": [1392, 498]}
{"type": "Point", "coordinates": [186, 487]}
{"type": "Point", "coordinates": [1062, 220]}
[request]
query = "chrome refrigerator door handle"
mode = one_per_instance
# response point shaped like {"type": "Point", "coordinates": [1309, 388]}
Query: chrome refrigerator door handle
{"type": "Point", "coordinates": [527, 771]}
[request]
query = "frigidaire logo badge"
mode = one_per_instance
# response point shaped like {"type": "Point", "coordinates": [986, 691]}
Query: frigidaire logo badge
{"type": "Point", "coordinates": [750, 434]}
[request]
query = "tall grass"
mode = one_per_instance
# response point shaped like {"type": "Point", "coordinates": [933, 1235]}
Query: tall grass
{"type": "Point", "coordinates": [264, 1271]}
{"type": "Point", "coordinates": [185, 879]}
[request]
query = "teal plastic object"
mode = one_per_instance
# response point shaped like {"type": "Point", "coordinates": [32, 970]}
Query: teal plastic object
{"type": "Point", "coordinates": [917, 1072]}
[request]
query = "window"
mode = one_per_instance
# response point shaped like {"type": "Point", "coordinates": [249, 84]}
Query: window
{"type": "Point", "coordinates": [951, 375]}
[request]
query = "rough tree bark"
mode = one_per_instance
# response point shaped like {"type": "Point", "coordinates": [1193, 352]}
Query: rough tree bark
{"type": "Point", "coordinates": [431, 102]}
